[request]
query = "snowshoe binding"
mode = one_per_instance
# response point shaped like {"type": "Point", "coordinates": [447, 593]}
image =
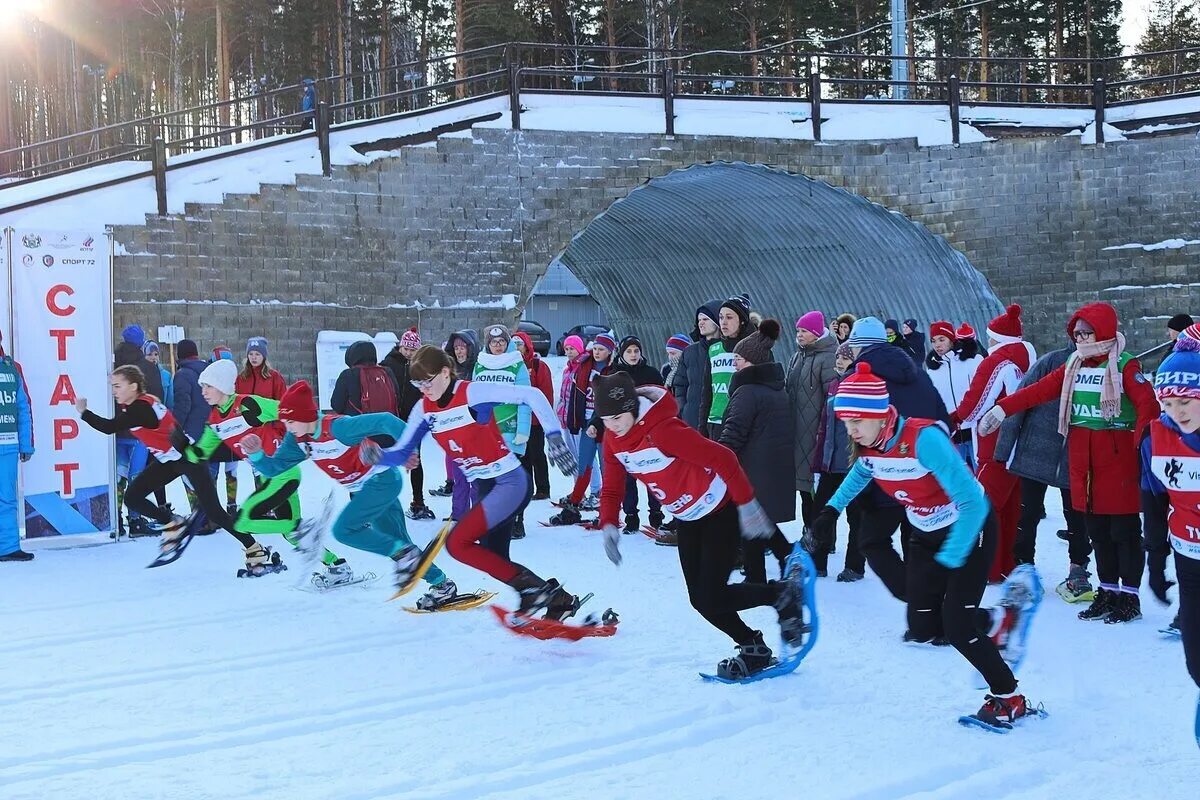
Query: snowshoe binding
{"type": "Point", "coordinates": [445, 490]}
{"type": "Point", "coordinates": [790, 604]}
{"type": "Point", "coordinates": [1172, 630]}
{"type": "Point", "coordinates": [339, 574]}
{"type": "Point", "coordinates": [140, 527]}
{"type": "Point", "coordinates": [457, 602]}
{"type": "Point", "coordinates": [567, 515]}
{"type": "Point", "coordinates": [1077, 586]}
{"type": "Point", "coordinates": [176, 535]}
{"type": "Point", "coordinates": [751, 659]}
{"type": "Point", "coordinates": [261, 561]}
{"type": "Point", "coordinates": [550, 598]}
{"type": "Point", "coordinates": [999, 713]}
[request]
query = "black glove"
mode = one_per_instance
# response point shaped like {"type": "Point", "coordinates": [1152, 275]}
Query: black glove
{"type": "Point", "coordinates": [824, 528]}
{"type": "Point", "coordinates": [179, 439]}
{"type": "Point", "coordinates": [1158, 577]}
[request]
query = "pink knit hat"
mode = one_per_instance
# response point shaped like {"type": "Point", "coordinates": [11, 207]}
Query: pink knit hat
{"type": "Point", "coordinates": [573, 341]}
{"type": "Point", "coordinates": [813, 322]}
{"type": "Point", "coordinates": [410, 339]}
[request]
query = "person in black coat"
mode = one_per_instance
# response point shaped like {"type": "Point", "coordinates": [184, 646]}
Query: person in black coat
{"type": "Point", "coordinates": [896, 339]}
{"type": "Point", "coordinates": [760, 428]}
{"type": "Point", "coordinates": [692, 375]}
{"type": "Point", "coordinates": [915, 340]}
{"type": "Point", "coordinates": [129, 353]}
{"type": "Point", "coordinates": [398, 361]}
{"type": "Point", "coordinates": [347, 391]}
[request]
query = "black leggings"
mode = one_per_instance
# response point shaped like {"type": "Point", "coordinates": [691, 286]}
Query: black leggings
{"type": "Point", "coordinates": [158, 474]}
{"type": "Point", "coordinates": [1033, 505]}
{"type": "Point", "coordinates": [1117, 544]}
{"type": "Point", "coordinates": [957, 593]}
{"type": "Point", "coordinates": [708, 549]}
{"type": "Point", "coordinates": [754, 555]}
{"type": "Point", "coordinates": [1187, 573]}
{"type": "Point", "coordinates": [878, 524]}
{"type": "Point", "coordinates": [416, 478]}
{"type": "Point", "coordinates": [855, 562]}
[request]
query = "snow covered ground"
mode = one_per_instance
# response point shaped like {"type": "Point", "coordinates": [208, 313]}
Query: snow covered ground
{"type": "Point", "coordinates": [185, 682]}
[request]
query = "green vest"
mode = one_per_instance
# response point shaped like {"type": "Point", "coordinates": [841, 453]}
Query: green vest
{"type": "Point", "coordinates": [1085, 400]}
{"type": "Point", "coordinates": [505, 415]}
{"type": "Point", "coordinates": [722, 374]}
{"type": "Point", "coordinates": [9, 380]}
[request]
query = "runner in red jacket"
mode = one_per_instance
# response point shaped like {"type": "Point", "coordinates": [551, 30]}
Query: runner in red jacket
{"type": "Point", "coordinates": [1104, 405]}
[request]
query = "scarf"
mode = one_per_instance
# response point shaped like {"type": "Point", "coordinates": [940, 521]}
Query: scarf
{"type": "Point", "coordinates": [1110, 392]}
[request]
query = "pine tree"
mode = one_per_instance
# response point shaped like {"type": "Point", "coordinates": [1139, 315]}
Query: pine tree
{"type": "Point", "coordinates": [1173, 25]}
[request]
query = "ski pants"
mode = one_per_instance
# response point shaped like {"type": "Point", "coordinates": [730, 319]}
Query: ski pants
{"type": "Point", "coordinates": [878, 524]}
{"type": "Point", "coordinates": [1117, 544]}
{"type": "Point", "coordinates": [708, 551]}
{"type": "Point", "coordinates": [534, 460]}
{"type": "Point", "coordinates": [1003, 490]}
{"type": "Point", "coordinates": [374, 520]}
{"type": "Point", "coordinates": [10, 531]}
{"type": "Point", "coordinates": [158, 474]}
{"type": "Point", "coordinates": [826, 488]}
{"type": "Point", "coordinates": [754, 555]}
{"type": "Point", "coordinates": [416, 478]}
{"type": "Point", "coordinates": [275, 508]}
{"type": "Point", "coordinates": [1033, 505]}
{"type": "Point", "coordinates": [132, 457]}
{"type": "Point", "coordinates": [1187, 573]}
{"type": "Point", "coordinates": [946, 601]}
{"type": "Point", "coordinates": [481, 538]}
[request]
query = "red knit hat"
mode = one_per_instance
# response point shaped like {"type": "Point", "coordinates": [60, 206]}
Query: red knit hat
{"type": "Point", "coordinates": [942, 328]}
{"type": "Point", "coordinates": [298, 404]}
{"type": "Point", "coordinates": [1006, 328]}
{"type": "Point", "coordinates": [965, 331]}
{"type": "Point", "coordinates": [861, 395]}
{"type": "Point", "coordinates": [410, 339]}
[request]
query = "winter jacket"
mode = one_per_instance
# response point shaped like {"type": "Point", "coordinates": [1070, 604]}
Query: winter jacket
{"type": "Point", "coordinates": [168, 397]}
{"type": "Point", "coordinates": [909, 388]}
{"type": "Point", "coordinates": [539, 371]}
{"type": "Point", "coordinates": [996, 377]}
{"type": "Point", "coordinates": [833, 445]}
{"type": "Point", "coordinates": [409, 394]}
{"type": "Point", "coordinates": [642, 373]}
{"type": "Point", "coordinates": [706, 386]}
{"type": "Point", "coordinates": [580, 408]}
{"type": "Point", "coordinates": [760, 428]}
{"type": "Point", "coordinates": [951, 376]}
{"type": "Point", "coordinates": [513, 419]}
{"type": "Point", "coordinates": [130, 355]}
{"type": "Point", "coordinates": [567, 389]}
{"type": "Point", "coordinates": [1103, 463]}
{"type": "Point", "coordinates": [900, 341]}
{"type": "Point", "coordinates": [347, 391]}
{"type": "Point", "coordinates": [191, 409]}
{"type": "Point", "coordinates": [1029, 440]}
{"type": "Point", "coordinates": [466, 369]}
{"type": "Point", "coordinates": [693, 372]}
{"type": "Point", "coordinates": [271, 387]}
{"type": "Point", "coordinates": [916, 343]}
{"type": "Point", "coordinates": [808, 379]}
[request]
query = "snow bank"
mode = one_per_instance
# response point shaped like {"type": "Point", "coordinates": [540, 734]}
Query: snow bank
{"type": "Point", "coordinates": [1088, 134]}
{"type": "Point", "coordinates": [1166, 244]}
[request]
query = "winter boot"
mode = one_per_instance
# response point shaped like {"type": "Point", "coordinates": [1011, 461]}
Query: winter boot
{"type": "Point", "coordinates": [232, 510]}
{"type": "Point", "coordinates": [633, 524]}
{"type": "Point", "coordinates": [1173, 628]}
{"type": "Point", "coordinates": [669, 525]}
{"type": "Point", "coordinates": [445, 490]}
{"type": "Point", "coordinates": [752, 658]}
{"type": "Point", "coordinates": [590, 503]}
{"type": "Point", "coordinates": [336, 574]}
{"type": "Point", "coordinates": [1100, 607]}
{"type": "Point", "coordinates": [937, 641]}
{"type": "Point", "coordinates": [518, 531]}
{"type": "Point", "coordinates": [140, 526]}
{"type": "Point", "coordinates": [406, 562]}
{"type": "Point", "coordinates": [420, 511]}
{"type": "Point", "coordinates": [849, 576]}
{"type": "Point", "coordinates": [656, 519]}
{"type": "Point", "coordinates": [540, 496]}
{"type": "Point", "coordinates": [17, 555]}
{"type": "Point", "coordinates": [789, 604]}
{"type": "Point", "coordinates": [667, 538]}
{"type": "Point", "coordinates": [1126, 608]}
{"type": "Point", "coordinates": [438, 596]}
{"type": "Point", "coordinates": [538, 595]}
{"type": "Point", "coordinates": [261, 561]}
{"type": "Point", "coordinates": [567, 515]}
{"type": "Point", "coordinates": [1077, 586]}
{"type": "Point", "coordinates": [1002, 711]}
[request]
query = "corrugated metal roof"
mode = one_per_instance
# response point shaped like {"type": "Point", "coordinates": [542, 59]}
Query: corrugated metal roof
{"type": "Point", "coordinates": [558, 280]}
{"type": "Point", "coordinates": [793, 243]}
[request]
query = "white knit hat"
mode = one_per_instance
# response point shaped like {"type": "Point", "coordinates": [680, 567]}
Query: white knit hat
{"type": "Point", "coordinates": [221, 375]}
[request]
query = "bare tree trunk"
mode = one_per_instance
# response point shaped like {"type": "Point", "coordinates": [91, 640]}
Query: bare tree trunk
{"type": "Point", "coordinates": [984, 49]}
{"type": "Point", "coordinates": [1058, 44]}
{"type": "Point", "coordinates": [789, 56]}
{"type": "Point", "coordinates": [460, 45]}
{"type": "Point", "coordinates": [222, 66]}
{"type": "Point", "coordinates": [754, 65]}
{"type": "Point", "coordinates": [610, 31]}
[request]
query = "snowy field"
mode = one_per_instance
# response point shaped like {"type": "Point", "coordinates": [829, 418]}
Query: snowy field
{"type": "Point", "coordinates": [186, 682]}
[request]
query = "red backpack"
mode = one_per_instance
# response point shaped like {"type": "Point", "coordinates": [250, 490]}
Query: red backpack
{"type": "Point", "coordinates": [378, 390]}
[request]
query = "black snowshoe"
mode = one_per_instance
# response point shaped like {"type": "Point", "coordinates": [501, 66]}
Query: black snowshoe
{"type": "Point", "coordinates": [420, 512]}
{"type": "Point", "coordinates": [751, 658]}
{"type": "Point", "coordinates": [261, 561]}
{"type": "Point", "coordinates": [550, 597]}
{"type": "Point", "coordinates": [567, 515]}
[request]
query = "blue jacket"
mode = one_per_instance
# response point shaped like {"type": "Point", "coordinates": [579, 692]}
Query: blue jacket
{"type": "Point", "coordinates": [191, 409]}
{"type": "Point", "coordinates": [168, 397]}
{"type": "Point", "coordinates": [909, 388]}
{"type": "Point", "coordinates": [19, 405]}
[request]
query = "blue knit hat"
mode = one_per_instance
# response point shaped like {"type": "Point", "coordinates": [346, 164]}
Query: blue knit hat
{"type": "Point", "coordinates": [150, 346]}
{"type": "Point", "coordinates": [679, 341]}
{"type": "Point", "coordinates": [867, 331]}
{"type": "Point", "coordinates": [1179, 373]}
{"type": "Point", "coordinates": [134, 335]}
{"type": "Point", "coordinates": [256, 344]}
{"type": "Point", "coordinates": [606, 340]}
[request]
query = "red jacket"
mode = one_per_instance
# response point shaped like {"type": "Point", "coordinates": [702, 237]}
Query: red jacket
{"type": "Point", "coordinates": [539, 372]}
{"type": "Point", "coordinates": [271, 387]}
{"type": "Point", "coordinates": [685, 471]}
{"type": "Point", "coordinates": [998, 376]}
{"type": "Point", "coordinates": [1104, 465]}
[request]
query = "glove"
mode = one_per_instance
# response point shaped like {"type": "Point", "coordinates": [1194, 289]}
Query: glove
{"type": "Point", "coordinates": [1158, 577]}
{"type": "Point", "coordinates": [26, 456]}
{"type": "Point", "coordinates": [369, 452]}
{"type": "Point", "coordinates": [991, 421]}
{"type": "Point", "coordinates": [559, 453]}
{"type": "Point", "coordinates": [179, 439]}
{"type": "Point", "coordinates": [824, 528]}
{"type": "Point", "coordinates": [520, 439]}
{"type": "Point", "coordinates": [612, 544]}
{"type": "Point", "coordinates": [754, 522]}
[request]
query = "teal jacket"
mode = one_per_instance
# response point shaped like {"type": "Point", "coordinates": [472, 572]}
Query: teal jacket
{"type": "Point", "coordinates": [383, 428]}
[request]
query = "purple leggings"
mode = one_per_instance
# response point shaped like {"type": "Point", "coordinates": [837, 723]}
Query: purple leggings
{"type": "Point", "coordinates": [465, 494]}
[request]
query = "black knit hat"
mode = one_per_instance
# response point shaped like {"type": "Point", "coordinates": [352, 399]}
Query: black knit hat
{"type": "Point", "coordinates": [615, 394]}
{"type": "Point", "coordinates": [739, 305]}
{"type": "Point", "coordinates": [1180, 323]}
{"type": "Point", "coordinates": [756, 348]}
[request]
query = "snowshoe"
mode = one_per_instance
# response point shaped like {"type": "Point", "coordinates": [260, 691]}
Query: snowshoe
{"type": "Point", "coordinates": [1101, 605]}
{"type": "Point", "coordinates": [849, 576]}
{"type": "Point", "coordinates": [751, 659]}
{"type": "Point", "coordinates": [795, 589]}
{"type": "Point", "coordinates": [459, 602]}
{"type": "Point", "coordinates": [602, 625]}
{"type": "Point", "coordinates": [1013, 614]}
{"type": "Point", "coordinates": [445, 490]}
{"type": "Point", "coordinates": [261, 561]}
{"type": "Point", "coordinates": [339, 574]}
{"type": "Point", "coordinates": [999, 713]}
{"type": "Point", "coordinates": [176, 536]}
{"type": "Point", "coordinates": [1126, 608]}
{"type": "Point", "coordinates": [140, 527]}
{"type": "Point", "coordinates": [416, 512]}
{"type": "Point", "coordinates": [1172, 630]}
{"type": "Point", "coordinates": [412, 563]}
{"type": "Point", "coordinates": [568, 515]}
{"type": "Point", "coordinates": [437, 595]}
{"type": "Point", "coordinates": [1077, 586]}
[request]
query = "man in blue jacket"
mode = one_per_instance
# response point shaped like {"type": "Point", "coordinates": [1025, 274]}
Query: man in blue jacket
{"type": "Point", "coordinates": [16, 444]}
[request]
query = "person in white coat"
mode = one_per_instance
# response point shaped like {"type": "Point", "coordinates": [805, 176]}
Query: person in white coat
{"type": "Point", "coordinates": [951, 365]}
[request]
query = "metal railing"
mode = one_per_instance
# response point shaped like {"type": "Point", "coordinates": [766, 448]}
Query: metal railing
{"type": "Point", "coordinates": [417, 87]}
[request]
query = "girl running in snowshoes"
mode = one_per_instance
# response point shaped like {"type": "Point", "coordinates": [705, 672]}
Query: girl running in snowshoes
{"type": "Point", "coordinates": [915, 462]}
{"type": "Point", "coordinates": [701, 483]}
{"type": "Point", "coordinates": [459, 416]}
{"type": "Point", "coordinates": [145, 417]}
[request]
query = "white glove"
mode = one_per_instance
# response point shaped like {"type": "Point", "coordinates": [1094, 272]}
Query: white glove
{"type": "Point", "coordinates": [520, 439]}
{"type": "Point", "coordinates": [754, 521]}
{"type": "Point", "coordinates": [991, 421]}
{"type": "Point", "coordinates": [612, 544]}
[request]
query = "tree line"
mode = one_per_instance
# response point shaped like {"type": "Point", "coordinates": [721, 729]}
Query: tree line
{"type": "Point", "coordinates": [82, 64]}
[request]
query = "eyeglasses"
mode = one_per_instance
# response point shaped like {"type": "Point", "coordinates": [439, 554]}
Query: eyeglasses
{"type": "Point", "coordinates": [422, 385]}
{"type": "Point", "coordinates": [1083, 334]}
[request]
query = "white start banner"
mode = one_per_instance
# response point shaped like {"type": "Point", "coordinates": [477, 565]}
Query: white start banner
{"type": "Point", "coordinates": [62, 326]}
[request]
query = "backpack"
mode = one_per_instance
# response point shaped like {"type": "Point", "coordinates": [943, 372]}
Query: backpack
{"type": "Point", "coordinates": [378, 390]}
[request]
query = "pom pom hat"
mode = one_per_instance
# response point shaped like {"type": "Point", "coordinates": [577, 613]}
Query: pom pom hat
{"type": "Point", "coordinates": [861, 395]}
{"type": "Point", "coordinates": [1006, 328]}
{"type": "Point", "coordinates": [298, 403]}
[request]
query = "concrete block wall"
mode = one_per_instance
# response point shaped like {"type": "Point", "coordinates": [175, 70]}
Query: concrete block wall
{"type": "Point", "coordinates": [475, 218]}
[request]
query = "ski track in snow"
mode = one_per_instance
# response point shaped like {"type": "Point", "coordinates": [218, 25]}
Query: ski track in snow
{"type": "Point", "coordinates": [185, 682]}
